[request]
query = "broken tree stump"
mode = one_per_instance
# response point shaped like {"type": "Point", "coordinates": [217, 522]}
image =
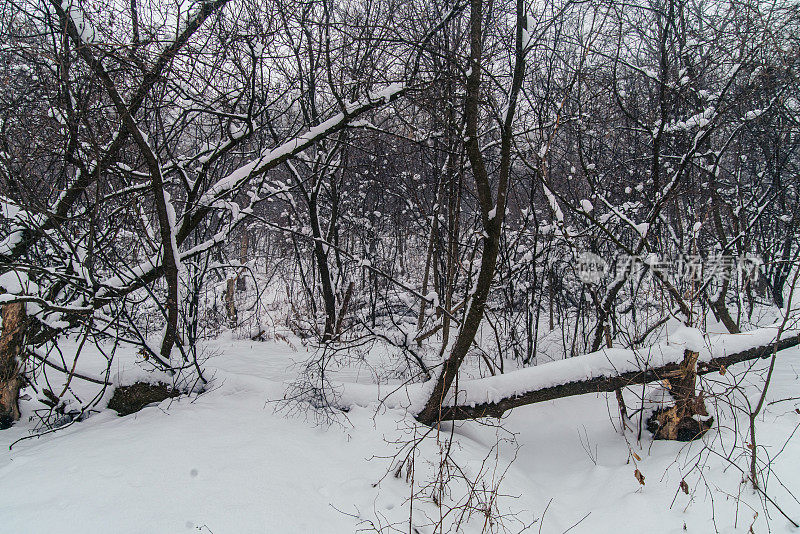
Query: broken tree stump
{"type": "Point", "coordinates": [11, 343]}
{"type": "Point", "coordinates": [688, 419]}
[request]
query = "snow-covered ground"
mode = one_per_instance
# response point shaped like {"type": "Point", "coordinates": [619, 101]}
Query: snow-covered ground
{"type": "Point", "coordinates": [227, 462]}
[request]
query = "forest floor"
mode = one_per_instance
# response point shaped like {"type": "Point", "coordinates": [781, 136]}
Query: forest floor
{"type": "Point", "coordinates": [237, 459]}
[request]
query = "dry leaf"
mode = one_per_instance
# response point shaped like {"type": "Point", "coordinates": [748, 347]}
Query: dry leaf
{"type": "Point", "coordinates": [636, 456]}
{"type": "Point", "coordinates": [722, 370]}
{"type": "Point", "coordinates": [639, 476]}
{"type": "Point", "coordinates": [797, 410]}
{"type": "Point", "coordinates": [750, 446]}
{"type": "Point", "coordinates": [685, 487]}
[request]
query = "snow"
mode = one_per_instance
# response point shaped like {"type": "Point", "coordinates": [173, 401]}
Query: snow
{"type": "Point", "coordinates": [222, 462]}
{"type": "Point", "coordinates": [551, 198]}
{"type": "Point", "coordinates": [528, 32]}
{"type": "Point", "coordinates": [85, 30]}
{"type": "Point", "coordinates": [754, 114]}
{"type": "Point", "coordinates": [226, 462]}
{"type": "Point", "coordinates": [15, 282]}
{"type": "Point", "coordinates": [19, 220]}
{"type": "Point", "coordinates": [693, 339]}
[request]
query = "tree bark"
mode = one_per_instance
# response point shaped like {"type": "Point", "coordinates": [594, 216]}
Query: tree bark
{"type": "Point", "coordinates": [326, 283]}
{"type": "Point", "coordinates": [11, 344]}
{"type": "Point", "coordinates": [426, 276]}
{"type": "Point", "coordinates": [718, 306]}
{"type": "Point", "coordinates": [343, 311]}
{"type": "Point", "coordinates": [244, 249]}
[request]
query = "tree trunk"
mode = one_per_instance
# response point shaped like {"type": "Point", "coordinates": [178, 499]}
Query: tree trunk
{"type": "Point", "coordinates": [230, 303]}
{"type": "Point", "coordinates": [241, 280]}
{"type": "Point", "coordinates": [718, 306]}
{"type": "Point", "coordinates": [426, 276]}
{"type": "Point", "coordinates": [343, 311]}
{"type": "Point", "coordinates": [326, 283]}
{"type": "Point", "coordinates": [492, 208]}
{"type": "Point", "coordinates": [11, 343]}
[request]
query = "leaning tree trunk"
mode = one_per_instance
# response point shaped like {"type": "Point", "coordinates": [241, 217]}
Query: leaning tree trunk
{"type": "Point", "coordinates": [492, 208]}
{"type": "Point", "coordinates": [11, 342]}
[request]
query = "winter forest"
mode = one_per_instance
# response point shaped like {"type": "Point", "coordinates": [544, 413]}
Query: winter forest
{"type": "Point", "coordinates": [399, 266]}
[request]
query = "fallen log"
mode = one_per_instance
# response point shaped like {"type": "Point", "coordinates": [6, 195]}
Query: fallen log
{"type": "Point", "coordinates": [600, 384]}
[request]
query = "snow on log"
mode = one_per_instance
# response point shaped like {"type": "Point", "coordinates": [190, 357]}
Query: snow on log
{"type": "Point", "coordinates": [602, 371]}
{"type": "Point", "coordinates": [608, 383]}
